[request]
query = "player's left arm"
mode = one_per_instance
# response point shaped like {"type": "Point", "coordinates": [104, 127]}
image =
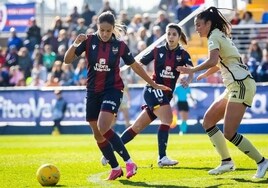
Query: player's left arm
{"type": "Point", "coordinates": [210, 71]}
{"type": "Point", "coordinates": [212, 61]}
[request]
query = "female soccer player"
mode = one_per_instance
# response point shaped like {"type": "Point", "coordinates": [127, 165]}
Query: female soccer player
{"type": "Point", "coordinates": [166, 59]}
{"type": "Point", "coordinates": [104, 87]}
{"type": "Point", "coordinates": [238, 95]}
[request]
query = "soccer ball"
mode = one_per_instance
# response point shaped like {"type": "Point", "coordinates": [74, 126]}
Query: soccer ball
{"type": "Point", "coordinates": [48, 175]}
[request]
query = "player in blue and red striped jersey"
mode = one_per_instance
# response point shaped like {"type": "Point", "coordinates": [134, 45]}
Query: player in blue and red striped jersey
{"type": "Point", "coordinates": [105, 87]}
{"type": "Point", "coordinates": [166, 59]}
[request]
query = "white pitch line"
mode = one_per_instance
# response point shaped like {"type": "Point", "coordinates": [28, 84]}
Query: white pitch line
{"type": "Point", "coordinates": [96, 179]}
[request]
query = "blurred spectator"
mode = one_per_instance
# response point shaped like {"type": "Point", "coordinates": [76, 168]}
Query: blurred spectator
{"type": "Point", "coordinates": [146, 21]}
{"type": "Point", "coordinates": [80, 73]}
{"type": "Point", "coordinates": [132, 41]}
{"type": "Point", "coordinates": [4, 76]}
{"type": "Point", "coordinates": [2, 57]}
{"type": "Point", "coordinates": [70, 26]}
{"type": "Point", "coordinates": [61, 53]}
{"type": "Point", "coordinates": [162, 21]}
{"type": "Point", "coordinates": [246, 33]}
{"type": "Point", "coordinates": [15, 75]}
{"type": "Point", "coordinates": [71, 38]}
{"type": "Point", "coordinates": [136, 22]}
{"type": "Point", "coordinates": [67, 76]}
{"type": "Point", "coordinates": [39, 71]}
{"type": "Point", "coordinates": [236, 19]}
{"type": "Point", "coordinates": [25, 62]}
{"type": "Point", "coordinates": [12, 57]}
{"type": "Point", "coordinates": [49, 57]}
{"type": "Point", "coordinates": [57, 26]}
{"type": "Point", "coordinates": [262, 69]}
{"type": "Point", "coordinates": [247, 18]}
{"type": "Point", "coordinates": [49, 39]}
{"type": "Point", "coordinates": [14, 40]}
{"type": "Point", "coordinates": [33, 35]}
{"type": "Point", "coordinates": [106, 7]}
{"type": "Point", "coordinates": [167, 5]}
{"type": "Point", "coordinates": [81, 28]}
{"type": "Point", "coordinates": [90, 31]}
{"type": "Point", "coordinates": [255, 51]}
{"type": "Point", "coordinates": [156, 34]}
{"type": "Point", "coordinates": [93, 24]}
{"type": "Point", "coordinates": [87, 14]}
{"type": "Point", "coordinates": [182, 11]}
{"type": "Point", "coordinates": [52, 81]}
{"type": "Point", "coordinates": [123, 18]}
{"type": "Point", "coordinates": [62, 39]}
{"type": "Point", "coordinates": [21, 82]}
{"type": "Point", "coordinates": [56, 70]}
{"type": "Point", "coordinates": [75, 15]}
{"type": "Point", "coordinates": [142, 34]}
{"type": "Point", "coordinates": [252, 65]}
{"type": "Point", "coordinates": [36, 81]}
{"type": "Point", "coordinates": [37, 56]}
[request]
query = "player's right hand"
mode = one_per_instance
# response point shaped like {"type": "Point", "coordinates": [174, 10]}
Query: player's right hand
{"type": "Point", "coordinates": [162, 87]}
{"type": "Point", "coordinates": [80, 38]}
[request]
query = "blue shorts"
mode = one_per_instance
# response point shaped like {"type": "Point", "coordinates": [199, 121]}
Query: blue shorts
{"type": "Point", "coordinates": [108, 101]}
{"type": "Point", "coordinates": [154, 98]}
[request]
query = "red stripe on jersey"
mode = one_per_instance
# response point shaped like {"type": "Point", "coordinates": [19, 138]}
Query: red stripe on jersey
{"type": "Point", "coordinates": [170, 61]}
{"type": "Point", "coordinates": [117, 79]}
{"type": "Point", "coordinates": [89, 37]}
{"type": "Point", "coordinates": [155, 69]}
{"type": "Point", "coordinates": [103, 59]}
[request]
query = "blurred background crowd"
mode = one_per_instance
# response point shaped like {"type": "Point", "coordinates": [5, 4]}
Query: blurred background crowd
{"type": "Point", "coordinates": [37, 58]}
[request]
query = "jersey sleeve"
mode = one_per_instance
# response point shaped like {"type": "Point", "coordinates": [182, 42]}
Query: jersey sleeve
{"type": "Point", "coordinates": [187, 58]}
{"type": "Point", "coordinates": [213, 43]}
{"type": "Point", "coordinates": [147, 58]}
{"type": "Point", "coordinates": [127, 55]}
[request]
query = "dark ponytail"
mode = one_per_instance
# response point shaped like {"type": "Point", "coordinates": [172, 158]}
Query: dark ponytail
{"type": "Point", "coordinates": [217, 20]}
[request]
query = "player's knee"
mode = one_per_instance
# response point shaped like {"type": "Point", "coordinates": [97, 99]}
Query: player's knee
{"type": "Point", "coordinates": [167, 121]}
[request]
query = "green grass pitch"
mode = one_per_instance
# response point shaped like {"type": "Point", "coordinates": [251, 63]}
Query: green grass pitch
{"type": "Point", "coordinates": [78, 160]}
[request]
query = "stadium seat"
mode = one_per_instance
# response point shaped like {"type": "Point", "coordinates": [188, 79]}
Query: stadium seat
{"type": "Point", "coordinates": [265, 18]}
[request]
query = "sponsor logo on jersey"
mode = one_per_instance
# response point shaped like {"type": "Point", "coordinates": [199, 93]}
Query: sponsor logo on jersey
{"type": "Point", "coordinates": [167, 73]}
{"type": "Point", "coordinates": [101, 66]}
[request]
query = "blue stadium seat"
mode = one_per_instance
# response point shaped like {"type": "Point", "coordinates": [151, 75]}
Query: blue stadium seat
{"type": "Point", "coordinates": [265, 18]}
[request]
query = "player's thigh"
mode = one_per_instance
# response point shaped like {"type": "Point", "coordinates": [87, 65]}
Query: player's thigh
{"type": "Point", "coordinates": [164, 113]}
{"type": "Point", "coordinates": [215, 113]}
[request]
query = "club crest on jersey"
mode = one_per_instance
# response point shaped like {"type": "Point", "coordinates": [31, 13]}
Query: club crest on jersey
{"type": "Point", "coordinates": [178, 57]}
{"type": "Point", "coordinates": [115, 50]}
{"type": "Point", "coordinates": [211, 43]}
{"type": "Point", "coordinates": [161, 55]}
{"type": "Point", "coordinates": [93, 46]}
{"type": "Point", "coordinates": [102, 61]}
